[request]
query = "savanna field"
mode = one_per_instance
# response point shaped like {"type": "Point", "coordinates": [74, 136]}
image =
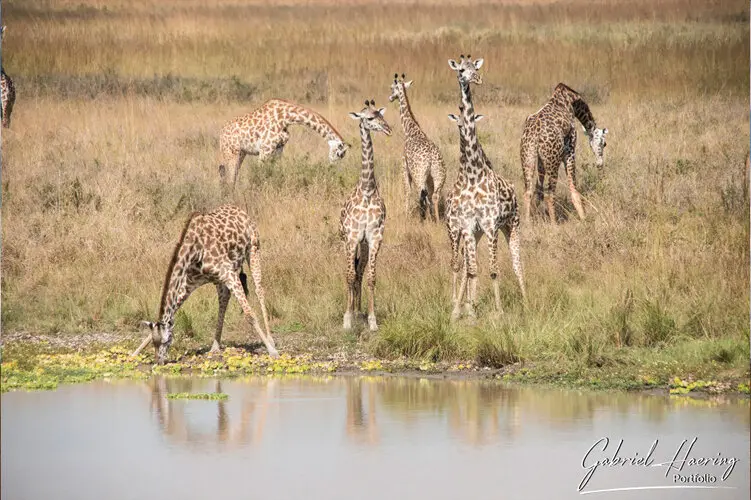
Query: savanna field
{"type": "Point", "coordinates": [114, 142]}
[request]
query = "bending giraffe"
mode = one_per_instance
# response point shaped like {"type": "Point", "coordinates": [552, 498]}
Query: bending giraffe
{"type": "Point", "coordinates": [263, 133]}
{"type": "Point", "coordinates": [211, 249]}
{"type": "Point", "coordinates": [8, 91]}
{"type": "Point", "coordinates": [362, 220]}
{"type": "Point", "coordinates": [480, 203]}
{"type": "Point", "coordinates": [549, 139]}
{"type": "Point", "coordinates": [422, 160]}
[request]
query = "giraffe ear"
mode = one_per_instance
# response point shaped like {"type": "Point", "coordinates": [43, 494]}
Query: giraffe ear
{"type": "Point", "coordinates": [147, 324]}
{"type": "Point", "coordinates": [605, 132]}
{"type": "Point", "coordinates": [382, 111]}
{"type": "Point", "coordinates": [478, 63]}
{"type": "Point", "coordinates": [407, 84]}
{"type": "Point", "coordinates": [355, 116]}
{"type": "Point", "coordinates": [453, 118]}
{"type": "Point", "coordinates": [479, 117]}
{"type": "Point", "coordinates": [453, 65]}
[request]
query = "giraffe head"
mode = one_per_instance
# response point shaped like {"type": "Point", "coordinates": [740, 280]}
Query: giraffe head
{"type": "Point", "coordinates": [161, 337]}
{"type": "Point", "coordinates": [467, 70]}
{"type": "Point", "coordinates": [398, 87]}
{"type": "Point", "coordinates": [337, 150]}
{"type": "Point", "coordinates": [372, 118]}
{"type": "Point", "coordinates": [597, 143]}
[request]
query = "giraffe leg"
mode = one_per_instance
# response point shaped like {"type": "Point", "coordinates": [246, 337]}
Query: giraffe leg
{"type": "Point", "coordinates": [539, 186]}
{"type": "Point", "coordinates": [224, 295]}
{"type": "Point", "coordinates": [232, 281]}
{"type": "Point", "coordinates": [511, 232]}
{"type": "Point", "coordinates": [254, 263]}
{"type": "Point", "coordinates": [407, 186]}
{"type": "Point", "coordinates": [570, 163]}
{"type": "Point", "coordinates": [529, 162]}
{"type": "Point", "coordinates": [375, 244]}
{"type": "Point", "coordinates": [552, 172]}
{"type": "Point", "coordinates": [493, 264]}
{"type": "Point", "coordinates": [457, 258]}
{"type": "Point", "coordinates": [351, 273]}
{"type": "Point", "coordinates": [438, 179]}
{"type": "Point", "coordinates": [470, 249]}
{"type": "Point", "coordinates": [360, 263]}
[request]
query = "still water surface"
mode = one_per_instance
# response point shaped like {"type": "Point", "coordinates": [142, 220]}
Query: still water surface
{"type": "Point", "coordinates": [365, 438]}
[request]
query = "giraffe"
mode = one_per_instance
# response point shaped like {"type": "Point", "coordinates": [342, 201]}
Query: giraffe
{"type": "Point", "coordinates": [549, 139]}
{"type": "Point", "coordinates": [362, 220]}
{"type": "Point", "coordinates": [480, 203]}
{"type": "Point", "coordinates": [263, 133]}
{"type": "Point", "coordinates": [211, 249]}
{"type": "Point", "coordinates": [7, 89]}
{"type": "Point", "coordinates": [422, 160]}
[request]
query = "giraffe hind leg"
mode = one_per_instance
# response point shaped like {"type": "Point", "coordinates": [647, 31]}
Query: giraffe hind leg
{"type": "Point", "coordinates": [224, 295]}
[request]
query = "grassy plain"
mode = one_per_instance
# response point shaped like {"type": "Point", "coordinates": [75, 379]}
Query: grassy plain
{"type": "Point", "coordinates": [114, 142]}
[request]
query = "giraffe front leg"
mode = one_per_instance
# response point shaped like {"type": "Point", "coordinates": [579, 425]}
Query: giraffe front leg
{"type": "Point", "coordinates": [224, 295]}
{"type": "Point", "coordinates": [360, 263]}
{"type": "Point", "coordinates": [438, 180]}
{"type": "Point", "coordinates": [232, 281]}
{"type": "Point", "coordinates": [570, 163]}
{"type": "Point", "coordinates": [470, 280]}
{"type": "Point", "coordinates": [511, 232]}
{"type": "Point", "coordinates": [457, 258]}
{"type": "Point", "coordinates": [530, 164]}
{"type": "Point", "coordinates": [552, 172]}
{"type": "Point", "coordinates": [254, 262]}
{"type": "Point", "coordinates": [493, 264]}
{"type": "Point", "coordinates": [407, 187]}
{"type": "Point", "coordinates": [375, 244]}
{"type": "Point", "coordinates": [351, 274]}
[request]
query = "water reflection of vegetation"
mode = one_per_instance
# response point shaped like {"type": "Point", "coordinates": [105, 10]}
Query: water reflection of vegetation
{"type": "Point", "coordinates": [473, 412]}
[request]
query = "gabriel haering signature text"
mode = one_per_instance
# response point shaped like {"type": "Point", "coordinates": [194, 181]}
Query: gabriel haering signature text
{"type": "Point", "coordinates": [683, 466]}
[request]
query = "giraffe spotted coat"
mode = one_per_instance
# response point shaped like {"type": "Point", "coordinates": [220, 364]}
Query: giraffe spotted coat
{"type": "Point", "coordinates": [211, 249]}
{"type": "Point", "coordinates": [8, 92]}
{"type": "Point", "coordinates": [263, 133]}
{"type": "Point", "coordinates": [549, 139]}
{"type": "Point", "coordinates": [363, 219]}
{"type": "Point", "coordinates": [423, 164]}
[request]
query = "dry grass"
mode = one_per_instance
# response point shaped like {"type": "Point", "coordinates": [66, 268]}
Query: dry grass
{"type": "Point", "coordinates": [114, 142]}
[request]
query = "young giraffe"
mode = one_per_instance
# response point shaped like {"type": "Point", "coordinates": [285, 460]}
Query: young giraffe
{"type": "Point", "coordinates": [8, 91]}
{"type": "Point", "coordinates": [481, 203]}
{"type": "Point", "coordinates": [422, 160]}
{"type": "Point", "coordinates": [362, 220]}
{"type": "Point", "coordinates": [211, 249]}
{"type": "Point", "coordinates": [549, 139]}
{"type": "Point", "coordinates": [263, 133]}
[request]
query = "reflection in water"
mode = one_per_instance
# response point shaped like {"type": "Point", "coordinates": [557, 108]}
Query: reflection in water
{"type": "Point", "coordinates": [175, 424]}
{"type": "Point", "coordinates": [475, 412]}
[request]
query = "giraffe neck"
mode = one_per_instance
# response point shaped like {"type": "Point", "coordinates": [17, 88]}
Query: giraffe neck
{"type": "Point", "coordinates": [584, 115]}
{"type": "Point", "coordinates": [473, 160]}
{"type": "Point", "coordinates": [311, 119]}
{"type": "Point", "coordinates": [175, 280]}
{"type": "Point", "coordinates": [409, 123]}
{"type": "Point", "coordinates": [367, 174]}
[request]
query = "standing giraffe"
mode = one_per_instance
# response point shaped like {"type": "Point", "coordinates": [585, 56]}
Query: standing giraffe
{"type": "Point", "coordinates": [8, 91]}
{"type": "Point", "coordinates": [211, 249]}
{"type": "Point", "coordinates": [549, 139]}
{"type": "Point", "coordinates": [263, 133]}
{"type": "Point", "coordinates": [481, 203]}
{"type": "Point", "coordinates": [423, 164]}
{"type": "Point", "coordinates": [363, 217]}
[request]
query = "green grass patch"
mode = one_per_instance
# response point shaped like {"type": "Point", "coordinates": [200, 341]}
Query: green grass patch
{"type": "Point", "coordinates": [209, 396]}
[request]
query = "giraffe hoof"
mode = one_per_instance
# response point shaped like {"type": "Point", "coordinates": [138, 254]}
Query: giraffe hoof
{"type": "Point", "coordinates": [273, 353]}
{"type": "Point", "coordinates": [372, 324]}
{"type": "Point", "coordinates": [215, 349]}
{"type": "Point", "coordinates": [347, 321]}
{"type": "Point", "coordinates": [456, 314]}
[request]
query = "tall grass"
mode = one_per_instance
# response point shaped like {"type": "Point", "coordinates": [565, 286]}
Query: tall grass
{"type": "Point", "coordinates": [114, 142]}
